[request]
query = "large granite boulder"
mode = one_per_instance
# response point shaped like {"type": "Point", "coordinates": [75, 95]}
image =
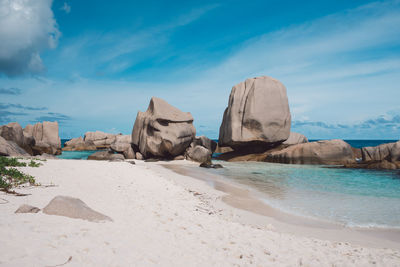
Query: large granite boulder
{"type": "Point", "coordinates": [10, 148]}
{"type": "Point", "coordinates": [73, 208]}
{"type": "Point", "coordinates": [121, 143]}
{"type": "Point", "coordinates": [257, 115]}
{"type": "Point", "coordinates": [46, 135]}
{"type": "Point", "coordinates": [295, 138]}
{"type": "Point", "coordinates": [381, 152]}
{"type": "Point", "coordinates": [100, 139]}
{"type": "Point", "coordinates": [14, 132]}
{"type": "Point", "coordinates": [162, 131]}
{"type": "Point", "coordinates": [205, 142]}
{"type": "Point", "coordinates": [327, 152]}
{"type": "Point", "coordinates": [78, 144]}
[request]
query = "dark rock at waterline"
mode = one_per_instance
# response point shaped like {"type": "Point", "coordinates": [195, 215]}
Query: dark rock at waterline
{"type": "Point", "coordinates": [151, 160]}
{"type": "Point", "coordinates": [248, 154]}
{"type": "Point", "coordinates": [209, 165]}
{"type": "Point", "coordinates": [375, 165]}
{"type": "Point", "coordinates": [198, 154]}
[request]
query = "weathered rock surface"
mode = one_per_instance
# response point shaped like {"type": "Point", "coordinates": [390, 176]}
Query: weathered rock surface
{"type": "Point", "coordinates": [9, 148]}
{"type": "Point", "coordinates": [24, 208]}
{"type": "Point", "coordinates": [73, 208]}
{"type": "Point", "coordinates": [295, 138]}
{"type": "Point", "coordinates": [139, 156]}
{"type": "Point", "coordinates": [78, 144]}
{"type": "Point", "coordinates": [198, 154]}
{"type": "Point", "coordinates": [205, 142]}
{"type": "Point", "coordinates": [117, 157]}
{"type": "Point", "coordinates": [223, 149]}
{"type": "Point", "coordinates": [129, 153]}
{"type": "Point", "coordinates": [14, 132]}
{"type": "Point", "coordinates": [121, 143]}
{"type": "Point", "coordinates": [47, 139]}
{"type": "Point", "coordinates": [257, 114]}
{"type": "Point", "coordinates": [381, 152]}
{"type": "Point", "coordinates": [329, 152]}
{"type": "Point", "coordinates": [100, 139]}
{"type": "Point", "coordinates": [162, 131]}
{"type": "Point", "coordinates": [243, 155]}
{"type": "Point", "coordinates": [102, 155]}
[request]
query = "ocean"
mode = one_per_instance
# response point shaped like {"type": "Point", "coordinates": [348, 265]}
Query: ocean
{"type": "Point", "coordinates": [351, 197]}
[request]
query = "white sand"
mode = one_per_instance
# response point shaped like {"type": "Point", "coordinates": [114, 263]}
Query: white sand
{"type": "Point", "coordinates": [156, 221]}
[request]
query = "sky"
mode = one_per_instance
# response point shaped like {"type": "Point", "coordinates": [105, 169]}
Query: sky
{"type": "Point", "coordinates": [92, 65]}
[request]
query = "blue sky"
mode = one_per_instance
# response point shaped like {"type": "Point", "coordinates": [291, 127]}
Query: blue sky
{"type": "Point", "coordinates": [91, 65]}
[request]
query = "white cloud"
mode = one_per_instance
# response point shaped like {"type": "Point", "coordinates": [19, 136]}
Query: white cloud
{"type": "Point", "coordinates": [66, 8]}
{"type": "Point", "coordinates": [27, 27]}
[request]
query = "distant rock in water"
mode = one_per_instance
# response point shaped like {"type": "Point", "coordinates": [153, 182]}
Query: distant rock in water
{"type": "Point", "coordinates": [78, 144]}
{"type": "Point", "coordinates": [389, 151]}
{"type": "Point", "coordinates": [257, 115]}
{"type": "Point", "coordinates": [295, 138]}
{"type": "Point", "coordinates": [162, 131]}
{"type": "Point", "coordinates": [46, 135]}
{"type": "Point", "coordinates": [100, 139]}
{"type": "Point", "coordinates": [326, 152]}
{"type": "Point", "coordinates": [73, 208]}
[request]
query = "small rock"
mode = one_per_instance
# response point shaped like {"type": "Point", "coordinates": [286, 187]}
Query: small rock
{"type": "Point", "coordinates": [73, 208]}
{"type": "Point", "coordinates": [139, 156]}
{"type": "Point", "coordinates": [27, 209]}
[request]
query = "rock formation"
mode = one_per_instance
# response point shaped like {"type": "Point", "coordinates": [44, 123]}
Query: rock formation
{"type": "Point", "coordinates": [10, 148]}
{"type": "Point", "coordinates": [46, 137]}
{"type": "Point", "coordinates": [78, 144]}
{"type": "Point", "coordinates": [106, 155]}
{"type": "Point", "coordinates": [381, 152]}
{"type": "Point", "coordinates": [257, 115]}
{"type": "Point", "coordinates": [162, 131]}
{"type": "Point", "coordinates": [201, 149]}
{"type": "Point", "coordinates": [13, 132]}
{"type": "Point", "coordinates": [329, 152]}
{"type": "Point", "coordinates": [100, 139]}
{"type": "Point", "coordinates": [295, 138]}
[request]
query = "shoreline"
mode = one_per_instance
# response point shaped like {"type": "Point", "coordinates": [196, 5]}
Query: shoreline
{"type": "Point", "coordinates": [163, 218]}
{"type": "Point", "coordinates": [257, 212]}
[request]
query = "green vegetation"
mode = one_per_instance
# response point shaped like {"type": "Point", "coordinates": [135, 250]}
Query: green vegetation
{"type": "Point", "coordinates": [34, 164]}
{"type": "Point", "coordinates": [11, 177]}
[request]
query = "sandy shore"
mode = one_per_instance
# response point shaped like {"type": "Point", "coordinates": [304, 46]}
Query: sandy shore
{"type": "Point", "coordinates": [162, 218]}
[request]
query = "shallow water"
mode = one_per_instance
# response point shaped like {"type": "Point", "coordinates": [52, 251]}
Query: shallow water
{"type": "Point", "coordinates": [76, 154]}
{"type": "Point", "coordinates": [364, 198]}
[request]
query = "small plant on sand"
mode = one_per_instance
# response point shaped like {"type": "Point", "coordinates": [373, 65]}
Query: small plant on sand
{"type": "Point", "coordinates": [11, 177]}
{"type": "Point", "coordinates": [34, 164]}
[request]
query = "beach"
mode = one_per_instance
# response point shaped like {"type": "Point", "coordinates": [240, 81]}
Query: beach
{"type": "Point", "coordinates": [163, 217]}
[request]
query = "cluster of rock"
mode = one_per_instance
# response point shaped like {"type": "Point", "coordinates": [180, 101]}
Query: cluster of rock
{"type": "Point", "coordinates": [256, 127]}
{"type": "Point", "coordinates": [38, 139]}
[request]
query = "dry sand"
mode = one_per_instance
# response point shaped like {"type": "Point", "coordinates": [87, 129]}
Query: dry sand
{"type": "Point", "coordinates": [161, 218]}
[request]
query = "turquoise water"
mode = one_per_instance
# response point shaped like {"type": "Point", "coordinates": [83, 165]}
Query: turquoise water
{"type": "Point", "coordinates": [364, 198]}
{"type": "Point", "coordinates": [76, 154]}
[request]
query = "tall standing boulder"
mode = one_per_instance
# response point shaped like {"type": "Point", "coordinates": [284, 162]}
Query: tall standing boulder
{"type": "Point", "coordinates": [163, 130]}
{"type": "Point", "coordinates": [46, 135]}
{"type": "Point", "coordinates": [257, 115]}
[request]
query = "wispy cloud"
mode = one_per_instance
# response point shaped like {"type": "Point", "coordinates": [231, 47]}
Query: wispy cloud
{"type": "Point", "coordinates": [114, 52]}
{"type": "Point", "coordinates": [66, 8]}
{"type": "Point", "coordinates": [52, 116]}
{"type": "Point", "coordinates": [10, 91]}
{"type": "Point", "coordinates": [19, 106]}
